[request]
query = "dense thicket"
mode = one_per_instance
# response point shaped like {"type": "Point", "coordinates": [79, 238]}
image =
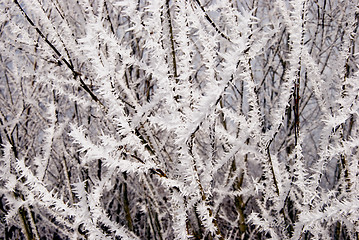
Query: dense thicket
{"type": "Point", "coordinates": [176, 119]}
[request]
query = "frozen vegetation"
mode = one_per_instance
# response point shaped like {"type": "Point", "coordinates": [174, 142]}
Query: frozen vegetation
{"type": "Point", "coordinates": [179, 119]}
